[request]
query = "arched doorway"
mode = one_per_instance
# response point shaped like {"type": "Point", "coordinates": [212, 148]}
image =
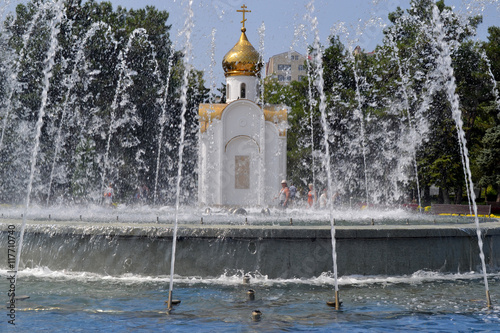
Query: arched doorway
{"type": "Point", "coordinates": [240, 172]}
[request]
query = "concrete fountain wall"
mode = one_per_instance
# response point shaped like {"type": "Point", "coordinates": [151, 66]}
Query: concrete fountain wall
{"type": "Point", "coordinates": [275, 251]}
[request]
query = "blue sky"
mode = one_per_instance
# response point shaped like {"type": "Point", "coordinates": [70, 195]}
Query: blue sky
{"type": "Point", "coordinates": [357, 22]}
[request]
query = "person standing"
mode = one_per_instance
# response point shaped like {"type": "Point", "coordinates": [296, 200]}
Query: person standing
{"type": "Point", "coordinates": [323, 199]}
{"type": "Point", "coordinates": [108, 195]}
{"type": "Point", "coordinates": [311, 196]}
{"type": "Point", "coordinates": [144, 194]}
{"type": "Point", "coordinates": [284, 195]}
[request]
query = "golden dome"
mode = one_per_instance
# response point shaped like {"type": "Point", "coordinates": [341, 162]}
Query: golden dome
{"type": "Point", "coordinates": [242, 59]}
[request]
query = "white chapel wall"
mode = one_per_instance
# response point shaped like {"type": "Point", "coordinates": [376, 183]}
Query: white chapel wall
{"type": "Point", "coordinates": [234, 91]}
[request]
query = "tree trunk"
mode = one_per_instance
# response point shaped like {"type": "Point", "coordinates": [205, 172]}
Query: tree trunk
{"type": "Point", "coordinates": [446, 196]}
{"type": "Point", "coordinates": [427, 196]}
{"type": "Point", "coordinates": [458, 195]}
{"type": "Point", "coordinates": [498, 193]}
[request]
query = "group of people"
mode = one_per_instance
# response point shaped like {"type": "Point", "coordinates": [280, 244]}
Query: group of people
{"type": "Point", "coordinates": [288, 195]}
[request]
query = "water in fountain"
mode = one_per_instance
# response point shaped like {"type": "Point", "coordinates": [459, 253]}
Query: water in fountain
{"type": "Point", "coordinates": [163, 121]}
{"type": "Point", "coordinates": [126, 118]}
{"type": "Point", "coordinates": [494, 89]}
{"type": "Point", "coordinates": [188, 28]}
{"type": "Point", "coordinates": [262, 35]}
{"type": "Point", "coordinates": [47, 74]}
{"type": "Point", "coordinates": [13, 67]}
{"type": "Point", "coordinates": [406, 107]}
{"type": "Point", "coordinates": [102, 274]}
{"type": "Point", "coordinates": [359, 118]}
{"type": "Point", "coordinates": [82, 147]}
{"type": "Point", "coordinates": [448, 76]}
{"type": "Point", "coordinates": [68, 98]}
{"type": "Point", "coordinates": [318, 71]}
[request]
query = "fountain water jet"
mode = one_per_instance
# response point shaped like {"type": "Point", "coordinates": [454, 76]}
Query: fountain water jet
{"type": "Point", "coordinates": [163, 119]}
{"type": "Point", "coordinates": [262, 181]}
{"type": "Point", "coordinates": [447, 72]}
{"type": "Point", "coordinates": [188, 28]}
{"type": "Point", "coordinates": [41, 113]}
{"type": "Point", "coordinates": [493, 81]}
{"type": "Point", "coordinates": [73, 79]}
{"type": "Point", "coordinates": [15, 66]}
{"type": "Point", "coordinates": [318, 70]}
{"type": "Point", "coordinates": [405, 88]}
{"type": "Point", "coordinates": [115, 236]}
{"type": "Point", "coordinates": [358, 113]}
{"type": "Point", "coordinates": [120, 100]}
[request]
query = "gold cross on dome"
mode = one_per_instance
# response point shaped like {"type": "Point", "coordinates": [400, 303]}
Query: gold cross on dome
{"type": "Point", "coordinates": [243, 11]}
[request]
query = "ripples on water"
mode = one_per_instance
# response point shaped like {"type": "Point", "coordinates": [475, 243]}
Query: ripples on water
{"type": "Point", "coordinates": [68, 301]}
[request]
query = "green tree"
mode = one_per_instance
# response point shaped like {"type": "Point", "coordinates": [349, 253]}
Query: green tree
{"type": "Point", "coordinates": [489, 159]}
{"type": "Point", "coordinates": [107, 93]}
{"type": "Point", "coordinates": [439, 157]}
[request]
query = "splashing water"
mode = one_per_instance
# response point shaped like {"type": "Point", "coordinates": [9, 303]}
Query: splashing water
{"type": "Point", "coordinates": [47, 74]}
{"type": "Point", "coordinates": [262, 34]}
{"type": "Point", "coordinates": [163, 120]}
{"type": "Point", "coordinates": [406, 101]}
{"type": "Point", "coordinates": [73, 79]}
{"type": "Point", "coordinates": [121, 99]}
{"type": "Point", "coordinates": [318, 69]}
{"type": "Point", "coordinates": [188, 28]}
{"type": "Point", "coordinates": [15, 67]}
{"type": "Point", "coordinates": [447, 72]}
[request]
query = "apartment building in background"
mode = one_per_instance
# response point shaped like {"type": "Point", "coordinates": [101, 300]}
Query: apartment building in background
{"type": "Point", "coordinates": [287, 66]}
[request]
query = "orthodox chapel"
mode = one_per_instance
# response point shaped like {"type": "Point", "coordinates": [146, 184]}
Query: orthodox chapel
{"type": "Point", "coordinates": [242, 146]}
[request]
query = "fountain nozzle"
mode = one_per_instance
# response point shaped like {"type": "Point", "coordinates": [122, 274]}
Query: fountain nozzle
{"type": "Point", "coordinates": [336, 302]}
{"type": "Point", "coordinates": [256, 315]}
{"type": "Point", "coordinates": [251, 295]}
{"type": "Point", "coordinates": [171, 301]}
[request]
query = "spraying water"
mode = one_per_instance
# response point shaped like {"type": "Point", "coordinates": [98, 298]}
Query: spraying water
{"type": "Point", "coordinates": [447, 72]}
{"type": "Point", "coordinates": [358, 113]}
{"type": "Point", "coordinates": [73, 79]}
{"type": "Point", "coordinates": [406, 101]}
{"type": "Point", "coordinates": [262, 155]}
{"type": "Point", "coordinates": [318, 82]}
{"type": "Point", "coordinates": [15, 67]}
{"type": "Point", "coordinates": [493, 80]}
{"type": "Point", "coordinates": [213, 84]}
{"type": "Point", "coordinates": [120, 100]}
{"type": "Point", "coordinates": [300, 31]}
{"type": "Point", "coordinates": [188, 28]}
{"type": "Point", "coordinates": [47, 74]}
{"type": "Point", "coordinates": [163, 120]}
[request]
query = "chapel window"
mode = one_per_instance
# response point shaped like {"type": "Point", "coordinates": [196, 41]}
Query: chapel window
{"type": "Point", "coordinates": [243, 92]}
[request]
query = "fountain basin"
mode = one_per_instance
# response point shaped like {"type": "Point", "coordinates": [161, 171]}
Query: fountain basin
{"type": "Point", "coordinates": [275, 251]}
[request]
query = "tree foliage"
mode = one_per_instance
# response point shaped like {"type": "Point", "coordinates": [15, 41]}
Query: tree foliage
{"type": "Point", "coordinates": [113, 111]}
{"type": "Point", "coordinates": [388, 112]}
